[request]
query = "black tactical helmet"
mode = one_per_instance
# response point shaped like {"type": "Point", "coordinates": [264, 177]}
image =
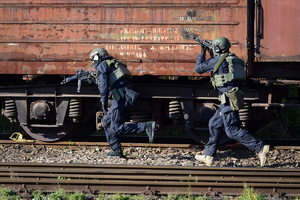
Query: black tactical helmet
{"type": "Point", "coordinates": [220, 44]}
{"type": "Point", "coordinates": [98, 51]}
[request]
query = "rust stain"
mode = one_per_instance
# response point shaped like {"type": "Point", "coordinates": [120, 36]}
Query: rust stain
{"type": "Point", "coordinates": [46, 68]}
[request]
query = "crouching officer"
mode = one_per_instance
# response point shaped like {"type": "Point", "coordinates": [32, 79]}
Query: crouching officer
{"type": "Point", "coordinates": [227, 75]}
{"type": "Point", "coordinates": [113, 76]}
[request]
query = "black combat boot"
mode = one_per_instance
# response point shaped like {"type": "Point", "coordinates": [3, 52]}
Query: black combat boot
{"type": "Point", "coordinates": [117, 153]}
{"type": "Point", "coordinates": [150, 126]}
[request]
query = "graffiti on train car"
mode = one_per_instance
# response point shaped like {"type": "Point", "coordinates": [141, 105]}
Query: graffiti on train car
{"type": "Point", "coordinates": [149, 30]}
{"type": "Point", "coordinates": [69, 33]}
{"type": "Point", "coordinates": [200, 15]}
{"type": "Point", "coordinates": [138, 51]}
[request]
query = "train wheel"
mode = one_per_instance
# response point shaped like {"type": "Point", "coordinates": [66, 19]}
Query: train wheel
{"type": "Point", "coordinates": [51, 134]}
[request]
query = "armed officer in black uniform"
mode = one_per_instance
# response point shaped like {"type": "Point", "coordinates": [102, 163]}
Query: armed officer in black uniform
{"type": "Point", "coordinates": [113, 76]}
{"type": "Point", "coordinates": [227, 75]}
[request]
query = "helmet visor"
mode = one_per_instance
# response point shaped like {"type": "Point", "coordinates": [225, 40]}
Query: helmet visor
{"type": "Point", "coordinates": [93, 55]}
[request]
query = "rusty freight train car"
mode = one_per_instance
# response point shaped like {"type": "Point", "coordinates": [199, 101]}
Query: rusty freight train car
{"type": "Point", "coordinates": [49, 39]}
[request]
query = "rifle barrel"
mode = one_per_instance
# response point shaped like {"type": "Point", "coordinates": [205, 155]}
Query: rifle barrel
{"type": "Point", "coordinates": [67, 80]}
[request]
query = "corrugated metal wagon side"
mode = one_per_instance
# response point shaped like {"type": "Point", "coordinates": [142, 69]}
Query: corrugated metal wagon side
{"type": "Point", "coordinates": [56, 37]}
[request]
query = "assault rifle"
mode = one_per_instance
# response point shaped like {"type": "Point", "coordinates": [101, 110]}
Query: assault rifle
{"type": "Point", "coordinates": [207, 43]}
{"type": "Point", "coordinates": [88, 76]}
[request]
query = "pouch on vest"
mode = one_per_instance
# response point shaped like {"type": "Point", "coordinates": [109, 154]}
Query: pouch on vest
{"type": "Point", "coordinates": [236, 98]}
{"type": "Point", "coordinates": [118, 93]}
{"type": "Point", "coordinates": [120, 71]}
{"type": "Point", "coordinates": [236, 71]}
{"type": "Point", "coordinates": [213, 76]}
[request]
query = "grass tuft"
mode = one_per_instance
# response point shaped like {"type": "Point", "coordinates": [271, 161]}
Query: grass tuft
{"type": "Point", "coordinates": [249, 194]}
{"type": "Point", "coordinates": [8, 194]}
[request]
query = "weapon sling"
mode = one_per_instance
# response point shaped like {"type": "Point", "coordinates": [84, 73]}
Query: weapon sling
{"type": "Point", "coordinates": [216, 68]}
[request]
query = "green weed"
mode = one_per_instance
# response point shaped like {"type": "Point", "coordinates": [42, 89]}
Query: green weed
{"type": "Point", "coordinates": [38, 195]}
{"type": "Point", "coordinates": [77, 196]}
{"type": "Point", "coordinates": [295, 198]}
{"type": "Point", "coordinates": [70, 143]}
{"type": "Point", "coordinates": [60, 194]}
{"type": "Point", "coordinates": [8, 194]}
{"type": "Point", "coordinates": [136, 197]}
{"type": "Point", "coordinates": [63, 178]}
{"type": "Point", "coordinates": [101, 196]}
{"type": "Point", "coordinates": [249, 194]}
{"type": "Point", "coordinates": [203, 198]}
{"type": "Point", "coordinates": [172, 197]}
{"type": "Point", "coordinates": [121, 197]}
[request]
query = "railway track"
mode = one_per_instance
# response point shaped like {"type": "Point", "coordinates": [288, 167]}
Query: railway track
{"type": "Point", "coordinates": [180, 142]}
{"type": "Point", "coordinates": [148, 180]}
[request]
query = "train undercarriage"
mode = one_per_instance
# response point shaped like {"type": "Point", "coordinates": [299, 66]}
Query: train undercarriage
{"type": "Point", "coordinates": [50, 112]}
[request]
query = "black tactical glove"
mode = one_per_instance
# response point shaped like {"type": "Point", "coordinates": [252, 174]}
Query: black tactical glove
{"type": "Point", "coordinates": [104, 107]}
{"type": "Point", "coordinates": [211, 53]}
{"type": "Point", "coordinates": [203, 49]}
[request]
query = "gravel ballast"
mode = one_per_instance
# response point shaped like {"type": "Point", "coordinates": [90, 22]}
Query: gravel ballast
{"type": "Point", "coordinates": [277, 158]}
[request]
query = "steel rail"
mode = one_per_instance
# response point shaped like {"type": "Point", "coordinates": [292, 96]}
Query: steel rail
{"type": "Point", "coordinates": [153, 180]}
{"type": "Point", "coordinates": [140, 141]}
